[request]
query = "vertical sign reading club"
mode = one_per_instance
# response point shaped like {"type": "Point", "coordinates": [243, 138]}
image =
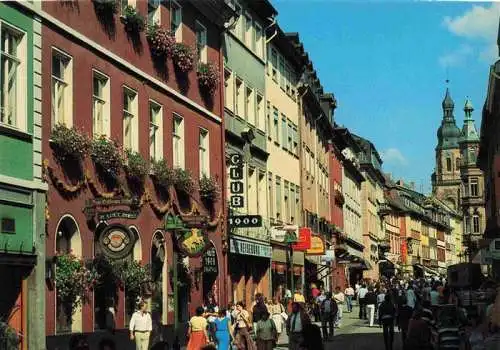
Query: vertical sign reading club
{"type": "Point", "coordinates": [236, 185]}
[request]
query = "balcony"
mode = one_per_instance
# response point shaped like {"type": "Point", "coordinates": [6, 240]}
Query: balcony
{"type": "Point", "coordinates": [384, 209]}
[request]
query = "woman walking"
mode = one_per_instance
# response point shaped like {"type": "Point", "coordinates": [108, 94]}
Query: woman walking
{"type": "Point", "coordinates": [277, 311]}
{"type": "Point", "coordinates": [243, 326]}
{"type": "Point", "coordinates": [197, 331]}
{"type": "Point", "coordinates": [223, 330]}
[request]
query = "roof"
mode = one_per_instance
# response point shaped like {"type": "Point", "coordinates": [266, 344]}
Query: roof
{"type": "Point", "coordinates": [448, 101]}
{"type": "Point", "coordinates": [367, 146]}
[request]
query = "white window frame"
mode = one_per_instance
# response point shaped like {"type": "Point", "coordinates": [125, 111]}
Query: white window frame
{"type": "Point", "coordinates": [475, 220]}
{"type": "Point", "coordinates": [155, 130]}
{"type": "Point", "coordinates": [474, 184]}
{"type": "Point", "coordinates": [176, 15]}
{"type": "Point", "coordinates": [202, 52]}
{"type": "Point", "coordinates": [259, 42]}
{"type": "Point", "coordinates": [104, 100]}
{"type": "Point", "coordinates": [249, 105]}
{"type": "Point", "coordinates": [63, 115]}
{"type": "Point", "coordinates": [248, 30]}
{"type": "Point", "coordinates": [178, 155]}
{"type": "Point", "coordinates": [239, 97]}
{"type": "Point", "coordinates": [229, 90]}
{"type": "Point", "coordinates": [133, 143]}
{"type": "Point", "coordinates": [19, 120]}
{"type": "Point", "coordinates": [260, 112]}
{"type": "Point", "coordinates": [154, 12]}
{"type": "Point", "coordinates": [204, 152]}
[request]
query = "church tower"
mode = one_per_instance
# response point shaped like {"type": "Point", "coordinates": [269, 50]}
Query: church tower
{"type": "Point", "coordinates": [446, 181]}
{"type": "Point", "coordinates": [472, 180]}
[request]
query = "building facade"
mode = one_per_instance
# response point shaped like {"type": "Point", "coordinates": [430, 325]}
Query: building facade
{"type": "Point", "coordinates": [22, 191]}
{"type": "Point", "coordinates": [247, 138]}
{"type": "Point", "coordinates": [134, 196]}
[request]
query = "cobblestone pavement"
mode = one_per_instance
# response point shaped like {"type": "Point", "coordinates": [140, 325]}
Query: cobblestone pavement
{"type": "Point", "coordinates": [353, 334]}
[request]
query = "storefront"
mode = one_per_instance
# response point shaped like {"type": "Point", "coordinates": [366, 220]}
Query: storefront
{"type": "Point", "coordinates": [317, 270]}
{"type": "Point", "coordinates": [283, 270]}
{"type": "Point", "coordinates": [249, 268]}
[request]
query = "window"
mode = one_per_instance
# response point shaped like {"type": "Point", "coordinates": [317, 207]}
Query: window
{"type": "Point", "coordinates": [278, 198]}
{"type": "Point", "coordinates": [130, 122]}
{"type": "Point", "coordinates": [61, 88]}
{"type": "Point", "coordinates": [203, 151]}
{"type": "Point", "coordinates": [259, 47]}
{"type": "Point", "coordinates": [292, 204]}
{"type": "Point", "coordinates": [282, 72]}
{"type": "Point", "coordinates": [229, 90]}
{"type": "Point", "coordinates": [100, 104]}
{"type": "Point", "coordinates": [287, 78]}
{"type": "Point", "coordinates": [297, 205]}
{"type": "Point", "coordinates": [448, 164]}
{"type": "Point", "coordinates": [270, 191]}
{"type": "Point", "coordinates": [176, 20]}
{"type": "Point", "coordinates": [12, 76]}
{"type": "Point", "coordinates": [475, 224]}
{"type": "Point", "coordinates": [178, 141]}
{"type": "Point", "coordinates": [155, 131]}
{"type": "Point", "coordinates": [268, 120]}
{"type": "Point", "coordinates": [248, 31]}
{"type": "Point", "coordinates": [474, 188]}
{"type": "Point", "coordinates": [239, 105]}
{"type": "Point", "coordinates": [153, 12]}
{"type": "Point", "coordinates": [290, 136]}
{"type": "Point", "coordinates": [287, 213]}
{"type": "Point", "coordinates": [283, 132]}
{"type": "Point", "coordinates": [237, 27]}
{"type": "Point", "coordinates": [261, 194]}
{"type": "Point", "coordinates": [457, 163]}
{"type": "Point", "coordinates": [276, 126]}
{"type": "Point", "coordinates": [295, 141]}
{"type": "Point", "coordinates": [201, 42]}
{"type": "Point", "coordinates": [467, 224]}
{"type": "Point", "coordinates": [260, 112]}
{"type": "Point", "coordinates": [249, 106]}
{"type": "Point", "coordinates": [274, 64]}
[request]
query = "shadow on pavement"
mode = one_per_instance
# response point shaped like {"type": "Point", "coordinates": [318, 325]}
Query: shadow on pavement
{"type": "Point", "coordinates": [362, 341]}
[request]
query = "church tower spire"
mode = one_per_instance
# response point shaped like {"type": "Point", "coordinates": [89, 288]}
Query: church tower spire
{"type": "Point", "coordinates": [448, 133]}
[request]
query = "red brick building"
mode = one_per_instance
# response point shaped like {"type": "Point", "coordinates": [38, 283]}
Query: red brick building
{"type": "Point", "coordinates": [99, 76]}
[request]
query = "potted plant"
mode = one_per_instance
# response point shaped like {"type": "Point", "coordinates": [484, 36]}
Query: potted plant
{"type": "Point", "coordinates": [183, 180]}
{"type": "Point", "coordinates": [132, 19]}
{"type": "Point", "coordinates": [106, 155]}
{"type": "Point", "coordinates": [183, 57]}
{"type": "Point", "coordinates": [134, 277]}
{"type": "Point", "coordinates": [72, 280]}
{"type": "Point", "coordinates": [69, 143]}
{"type": "Point", "coordinates": [161, 41]}
{"type": "Point", "coordinates": [106, 6]}
{"type": "Point", "coordinates": [209, 188]}
{"type": "Point", "coordinates": [208, 77]}
{"type": "Point", "coordinates": [136, 166]}
{"type": "Point", "coordinates": [9, 337]}
{"type": "Point", "coordinates": [162, 174]}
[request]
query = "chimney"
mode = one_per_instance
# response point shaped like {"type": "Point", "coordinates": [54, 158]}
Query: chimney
{"type": "Point", "coordinates": [327, 102]}
{"type": "Point", "coordinates": [400, 183]}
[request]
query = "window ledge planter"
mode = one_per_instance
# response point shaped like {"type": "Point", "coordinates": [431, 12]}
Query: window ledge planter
{"type": "Point", "coordinates": [136, 166]}
{"type": "Point", "coordinates": [69, 143]}
{"type": "Point", "coordinates": [107, 156]}
{"type": "Point", "coordinates": [183, 180]}
{"type": "Point", "coordinates": [134, 22]}
{"type": "Point", "coordinates": [183, 57]}
{"type": "Point", "coordinates": [208, 77]}
{"type": "Point", "coordinates": [162, 174]}
{"type": "Point", "coordinates": [109, 7]}
{"type": "Point", "coordinates": [209, 189]}
{"type": "Point", "coordinates": [161, 41]}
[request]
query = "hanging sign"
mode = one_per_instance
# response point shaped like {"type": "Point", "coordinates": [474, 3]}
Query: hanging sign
{"type": "Point", "coordinates": [191, 242]}
{"type": "Point", "coordinates": [317, 246]}
{"type": "Point", "coordinates": [210, 261]}
{"type": "Point", "coordinates": [250, 248]}
{"type": "Point", "coordinates": [286, 233]}
{"type": "Point", "coordinates": [116, 241]}
{"type": "Point", "coordinates": [245, 221]}
{"type": "Point", "coordinates": [236, 185]}
{"type": "Point", "coordinates": [304, 241]}
{"type": "Point", "coordinates": [118, 214]}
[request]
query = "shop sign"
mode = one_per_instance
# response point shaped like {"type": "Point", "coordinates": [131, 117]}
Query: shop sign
{"type": "Point", "coordinates": [250, 248]}
{"type": "Point", "coordinates": [404, 251]}
{"type": "Point", "coordinates": [116, 241]}
{"type": "Point", "coordinates": [245, 221]}
{"type": "Point", "coordinates": [191, 242]}
{"type": "Point", "coordinates": [118, 214]}
{"type": "Point", "coordinates": [287, 233]}
{"type": "Point", "coordinates": [236, 185]}
{"type": "Point", "coordinates": [304, 241]}
{"type": "Point", "coordinates": [317, 246]}
{"type": "Point", "coordinates": [195, 221]}
{"type": "Point", "coordinates": [173, 222]}
{"type": "Point", "coordinates": [210, 261]}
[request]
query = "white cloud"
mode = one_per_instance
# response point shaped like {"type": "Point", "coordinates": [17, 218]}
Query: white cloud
{"type": "Point", "coordinates": [479, 25]}
{"type": "Point", "coordinates": [393, 156]}
{"type": "Point", "coordinates": [457, 57]}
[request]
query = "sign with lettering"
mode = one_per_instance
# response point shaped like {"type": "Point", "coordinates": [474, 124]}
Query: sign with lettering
{"type": "Point", "coordinates": [118, 214]}
{"type": "Point", "coordinates": [245, 221]}
{"type": "Point", "coordinates": [286, 233]}
{"type": "Point", "coordinates": [116, 241]}
{"type": "Point", "coordinates": [195, 221]}
{"type": "Point", "coordinates": [317, 246]}
{"type": "Point", "coordinates": [250, 248]}
{"type": "Point", "coordinates": [236, 185]}
{"type": "Point", "coordinates": [304, 241]}
{"type": "Point", "coordinates": [210, 265]}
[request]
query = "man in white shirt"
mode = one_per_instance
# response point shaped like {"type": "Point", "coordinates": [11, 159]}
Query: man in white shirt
{"type": "Point", "coordinates": [361, 302]}
{"type": "Point", "coordinates": [411, 297]}
{"type": "Point", "coordinates": [140, 327]}
{"type": "Point", "coordinates": [349, 295]}
{"type": "Point", "coordinates": [339, 299]}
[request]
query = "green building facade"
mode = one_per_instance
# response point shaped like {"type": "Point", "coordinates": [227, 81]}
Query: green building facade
{"type": "Point", "coordinates": [22, 189]}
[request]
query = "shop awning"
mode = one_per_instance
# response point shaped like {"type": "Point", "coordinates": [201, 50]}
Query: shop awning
{"type": "Point", "coordinates": [427, 270]}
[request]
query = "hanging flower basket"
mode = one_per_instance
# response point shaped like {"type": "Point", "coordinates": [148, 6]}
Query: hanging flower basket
{"type": "Point", "coordinates": [208, 77]}
{"type": "Point", "coordinates": [162, 174]}
{"type": "Point", "coordinates": [209, 188]}
{"type": "Point", "coordinates": [69, 143]}
{"type": "Point", "coordinates": [73, 281]}
{"type": "Point", "coordinates": [183, 180]}
{"type": "Point", "coordinates": [161, 41]}
{"type": "Point", "coordinates": [136, 166]}
{"type": "Point", "coordinates": [9, 337]}
{"type": "Point", "coordinates": [183, 57]}
{"type": "Point", "coordinates": [134, 22]}
{"type": "Point", "coordinates": [106, 155]}
{"type": "Point", "coordinates": [106, 6]}
{"type": "Point", "coordinates": [133, 276]}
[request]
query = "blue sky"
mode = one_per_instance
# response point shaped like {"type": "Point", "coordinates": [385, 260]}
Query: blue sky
{"type": "Point", "coordinates": [387, 62]}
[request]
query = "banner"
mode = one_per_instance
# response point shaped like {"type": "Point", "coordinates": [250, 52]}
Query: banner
{"type": "Point", "coordinates": [317, 246]}
{"type": "Point", "coordinates": [304, 241]}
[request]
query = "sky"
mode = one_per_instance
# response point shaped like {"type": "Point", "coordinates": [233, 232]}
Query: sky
{"type": "Point", "coordinates": [387, 64]}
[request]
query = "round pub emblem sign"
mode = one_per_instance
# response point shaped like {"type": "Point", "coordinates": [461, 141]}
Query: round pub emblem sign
{"type": "Point", "coordinates": [116, 241]}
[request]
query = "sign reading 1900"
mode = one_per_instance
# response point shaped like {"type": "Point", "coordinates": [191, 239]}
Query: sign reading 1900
{"type": "Point", "coordinates": [245, 221]}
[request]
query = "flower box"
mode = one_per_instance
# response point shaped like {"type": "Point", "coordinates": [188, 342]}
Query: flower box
{"type": "Point", "coordinates": [162, 174]}
{"type": "Point", "coordinates": [106, 6]}
{"type": "Point", "coordinates": [208, 77]}
{"type": "Point", "coordinates": [161, 41]}
{"type": "Point", "coordinates": [183, 180]}
{"type": "Point", "coordinates": [136, 166]}
{"type": "Point", "coordinates": [134, 22]}
{"type": "Point", "coordinates": [69, 143]}
{"type": "Point", "coordinates": [209, 188]}
{"type": "Point", "coordinates": [106, 155]}
{"type": "Point", "coordinates": [183, 57]}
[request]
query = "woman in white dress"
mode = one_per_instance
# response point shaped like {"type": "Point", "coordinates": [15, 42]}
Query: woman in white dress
{"type": "Point", "coordinates": [276, 310]}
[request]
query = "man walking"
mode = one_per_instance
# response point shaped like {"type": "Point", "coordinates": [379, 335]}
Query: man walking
{"type": "Point", "coordinates": [349, 295]}
{"type": "Point", "coordinates": [295, 325]}
{"type": "Point", "coordinates": [339, 298]}
{"type": "Point", "coordinates": [140, 327]}
{"type": "Point", "coordinates": [328, 312]}
{"type": "Point", "coordinates": [386, 314]}
{"type": "Point", "coordinates": [361, 302]}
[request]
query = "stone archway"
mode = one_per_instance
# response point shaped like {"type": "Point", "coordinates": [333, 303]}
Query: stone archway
{"type": "Point", "coordinates": [68, 240]}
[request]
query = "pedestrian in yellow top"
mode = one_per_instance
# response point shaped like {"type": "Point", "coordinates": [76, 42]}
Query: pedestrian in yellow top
{"type": "Point", "coordinates": [140, 327]}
